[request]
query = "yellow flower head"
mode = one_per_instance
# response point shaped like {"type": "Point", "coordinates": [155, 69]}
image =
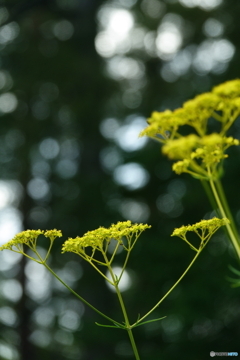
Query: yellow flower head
{"type": "Point", "coordinates": [204, 230]}
{"type": "Point", "coordinates": [53, 234]}
{"type": "Point", "coordinates": [209, 225]}
{"type": "Point", "coordinates": [229, 89]}
{"type": "Point", "coordinates": [206, 103]}
{"type": "Point", "coordinates": [199, 155]}
{"type": "Point", "coordinates": [99, 237]}
{"type": "Point", "coordinates": [219, 104]}
{"type": "Point", "coordinates": [235, 103]}
{"type": "Point", "coordinates": [212, 148]}
{"type": "Point", "coordinates": [181, 148]}
{"type": "Point", "coordinates": [200, 109]}
{"type": "Point", "coordinates": [29, 238]}
{"type": "Point", "coordinates": [165, 123]}
{"type": "Point", "coordinates": [181, 166]}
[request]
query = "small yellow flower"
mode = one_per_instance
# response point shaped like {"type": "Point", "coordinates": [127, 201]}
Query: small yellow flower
{"type": "Point", "coordinates": [101, 237]}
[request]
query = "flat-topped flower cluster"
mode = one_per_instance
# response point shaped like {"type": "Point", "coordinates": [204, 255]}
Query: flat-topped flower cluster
{"type": "Point", "coordinates": [29, 238]}
{"type": "Point", "coordinates": [208, 226]}
{"type": "Point", "coordinates": [100, 238]}
{"type": "Point", "coordinates": [199, 153]}
{"type": "Point", "coordinates": [204, 230]}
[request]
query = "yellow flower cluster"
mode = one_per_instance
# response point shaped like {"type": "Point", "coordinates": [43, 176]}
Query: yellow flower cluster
{"type": "Point", "coordinates": [29, 238]}
{"type": "Point", "coordinates": [164, 125]}
{"type": "Point", "coordinates": [212, 148]}
{"type": "Point", "coordinates": [199, 153]}
{"type": "Point", "coordinates": [229, 89]}
{"type": "Point", "coordinates": [204, 229]}
{"type": "Point", "coordinates": [181, 148]}
{"type": "Point", "coordinates": [100, 237]}
{"type": "Point", "coordinates": [208, 150]}
{"type": "Point", "coordinates": [199, 110]}
{"type": "Point", "coordinates": [53, 234]}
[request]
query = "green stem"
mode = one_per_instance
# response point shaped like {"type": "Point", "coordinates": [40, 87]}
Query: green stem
{"type": "Point", "coordinates": [114, 253]}
{"type": "Point", "coordinates": [124, 266]}
{"type": "Point", "coordinates": [78, 296]}
{"type": "Point", "coordinates": [231, 121]}
{"type": "Point", "coordinates": [49, 249]}
{"type": "Point", "coordinates": [217, 116]}
{"type": "Point", "coordinates": [223, 199]}
{"type": "Point", "coordinates": [172, 288]}
{"type": "Point", "coordinates": [127, 324]}
{"type": "Point", "coordinates": [96, 268]}
{"type": "Point", "coordinates": [211, 198]}
{"type": "Point", "coordinates": [191, 246]}
{"type": "Point", "coordinates": [223, 213]}
{"type": "Point", "coordinates": [28, 256]}
{"type": "Point", "coordinates": [129, 249]}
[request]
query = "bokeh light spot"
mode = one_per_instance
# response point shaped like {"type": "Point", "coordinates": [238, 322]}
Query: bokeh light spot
{"type": "Point", "coordinates": [10, 223]}
{"type": "Point", "coordinates": [12, 290]}
{"type": "Point", "coordinates": [133, 210]}
{"type": "Point", "coordinates": [127, 136]}
{"type": "Point", "coordinates": [8, 316]}
{"type": "Point", "coordinates": [108, 127]}
{"type": "Point", "coordinates": [38, 188]}
{"type": "Point", "coordinates": [63, 30]}
{"type": "Point", "coordinates": [8, 102]}
{"type": "Point", "coordinates": [41, 338]}
{"type": "Point", "coordinates": [69, 320]}
{"type": "Point", "coordinates": [125, 281]}
{"type": "Point", "coordinates": [49, 148]}
{"type": "Point", "coordinates": [67, 168]}
{"type": "Point", "coordinates": [213, 27]}
{"type": "Point", "coordinates": [132, 175]}
{"type": "Point", "coordinates": [9, 32]}
{"type": "Point", "coordinates": [110, 157]}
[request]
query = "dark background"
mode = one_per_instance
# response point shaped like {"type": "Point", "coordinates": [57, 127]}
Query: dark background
{"type": "Point", "coordinates": [77, 80]}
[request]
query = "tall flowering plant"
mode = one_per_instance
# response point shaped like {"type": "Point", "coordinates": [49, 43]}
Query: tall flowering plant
{"type": "Point", "coordinates": [93, 247]}
{"type": "Point", "coordinates": [201, 154]}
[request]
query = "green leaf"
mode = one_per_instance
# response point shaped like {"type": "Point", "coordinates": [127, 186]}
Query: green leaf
{"type": "Point", "coordinates": [112, 326]}
{"type": "Point", "coordinates": [235, 271]}
{"type": "Point", "coordinates": [235, 282]}
{"type": "Point", "coordinates": [149, 321]}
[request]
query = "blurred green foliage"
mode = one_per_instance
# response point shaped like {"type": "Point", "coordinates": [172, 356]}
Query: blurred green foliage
{"type": "Point", "coordinates": [63, 156]}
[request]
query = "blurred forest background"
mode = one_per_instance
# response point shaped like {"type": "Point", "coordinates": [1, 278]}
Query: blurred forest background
{"type": "Point", "coordinates": [78, 79]}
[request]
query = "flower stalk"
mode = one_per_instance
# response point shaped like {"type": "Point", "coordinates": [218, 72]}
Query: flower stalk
{"type": "Point", "coordinates": [125, 234]}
